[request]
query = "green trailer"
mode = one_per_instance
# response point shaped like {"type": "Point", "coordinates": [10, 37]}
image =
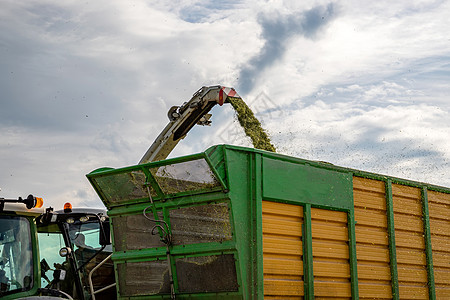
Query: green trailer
{"type": "Point", "coordinates": [240, 223]}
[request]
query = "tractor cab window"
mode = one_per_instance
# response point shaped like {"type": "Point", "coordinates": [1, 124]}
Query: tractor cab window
{"type": "Point", "coordinates": [88, 253]}
{"type": "Point", "coordinates": [16, 259]}
{"type": "Point", "coordinates": [49, 245]}
{"type": "Point", "coordinates": [85, 238]}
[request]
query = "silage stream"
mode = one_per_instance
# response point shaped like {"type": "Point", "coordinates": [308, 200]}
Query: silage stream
{"type": "Point", "coordinates": [251, 125]}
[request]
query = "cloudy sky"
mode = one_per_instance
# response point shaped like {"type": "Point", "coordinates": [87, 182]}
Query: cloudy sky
{"type": "Point", "coordinates": [87, 84]}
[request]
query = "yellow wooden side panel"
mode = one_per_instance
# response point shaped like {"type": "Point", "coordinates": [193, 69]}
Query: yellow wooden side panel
{"type": "Point", "coordinates": [330, 254]}
{"type": "Point", "coordinates": [410, 242]}
{"type": "Point", "coordinates": [439, 211]}
{"type": "Point", "coordinates": [408, 256]}
{"type": "Point", "coordinates": [372, 253]}
{"type": "Point", "coordinates": [372, 243]}
{"type": "Point", "coordinates": [369, 185]}
{"type": "Point", "coordinates": [282, 250]}
{"type": "Point", "coordinates": [412, 291]}
{"type": "Point", "coordinates": [438, 197]}
{"type": "Point", "coordinates": [442, 292]}
{"type": "Point", "coordinates": [370, 235]}
{"type": "Point", "coordinates": [374, 291]}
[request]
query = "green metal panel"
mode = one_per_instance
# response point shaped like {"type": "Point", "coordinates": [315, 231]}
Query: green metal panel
{"type": "Point", "coordinates": [306, 184]}
{"type": "Point", "coordinates": [174, 202]}
{"type": "Point", "coordinates": [391, 236]}
{"type": "Point", "coordinates": [256, 222]}
{"type": "Point", "coordinates": [308, 273]}
{"type": "Point", "coordinates": [240, 192]}
{"type": "Point", "coordinates": [209, 296]}
{"type": "Point", "coordinates": [216, 156]}
{"type": "Point", "coordinates": [352, 253]}
{"type": "Point", "coordinates": [36, 256]}
{"type": "Point", "coordinates": [428, 249]}
{"type": "Point", "coordinates": [253, 199]}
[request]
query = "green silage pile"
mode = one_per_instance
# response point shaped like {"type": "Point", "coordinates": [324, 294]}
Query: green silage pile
{"type": "Point", "coordinates": [251, 125]}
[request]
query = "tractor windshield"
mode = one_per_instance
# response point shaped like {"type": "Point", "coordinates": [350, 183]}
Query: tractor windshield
{"type": "Point", "coordinates": [16, 267]}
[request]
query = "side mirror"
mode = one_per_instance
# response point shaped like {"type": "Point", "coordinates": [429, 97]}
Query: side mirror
{"type": "Point", "coordinates": [64, 251]}
{"type": "Point", "coordinates": [105, 234]}
{"type": "Point", "coordinates": [47, 216]}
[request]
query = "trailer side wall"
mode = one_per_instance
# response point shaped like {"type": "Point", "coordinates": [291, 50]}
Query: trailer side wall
{"type": "Point", "coordinates": [394, 258]}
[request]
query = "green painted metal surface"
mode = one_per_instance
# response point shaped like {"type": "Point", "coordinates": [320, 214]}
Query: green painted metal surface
{"type": "Point", "coordinates": [308, 270]}
{"type": "Point", "coordinates": [239, 179]}
{"type": "Point", "coordinates": [428, 249]}
{"type": "Point", "coordinates": [352, 254]}
{"type": "Point", "coordinates": [304, 183]}
{"type": "Point", "coordinates": [391, 237]}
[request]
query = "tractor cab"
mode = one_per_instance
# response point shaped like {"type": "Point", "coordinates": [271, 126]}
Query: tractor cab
{"type": "Point", "coordinates": [75, 242]}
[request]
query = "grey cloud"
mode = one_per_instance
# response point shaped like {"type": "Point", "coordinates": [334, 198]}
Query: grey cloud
{"type": "Point", "coordinates": [68, 92]}
{"type": "Point", "coordinates": [53, 84]}
{"type": "Point", "coordinates": [277, 30]}
{"type": "Point", "coordinates": [110, 140]}
{"type": "Point", "coordinates": [317, 17]}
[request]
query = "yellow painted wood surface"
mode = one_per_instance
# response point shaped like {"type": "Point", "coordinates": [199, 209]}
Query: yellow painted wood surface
{"type": "Point", "coordinates": [410, 241]}
{"type": "Point", "coordinates": [282, 250]}
{"type": "Point", "coordinates": [371, 290]}
{"type": "Point", "coordinates": [372, 242]}
{"type": "Point", "coordinates": [439, 211]}
{"type": "Point", "coordinates": [330, 254]}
